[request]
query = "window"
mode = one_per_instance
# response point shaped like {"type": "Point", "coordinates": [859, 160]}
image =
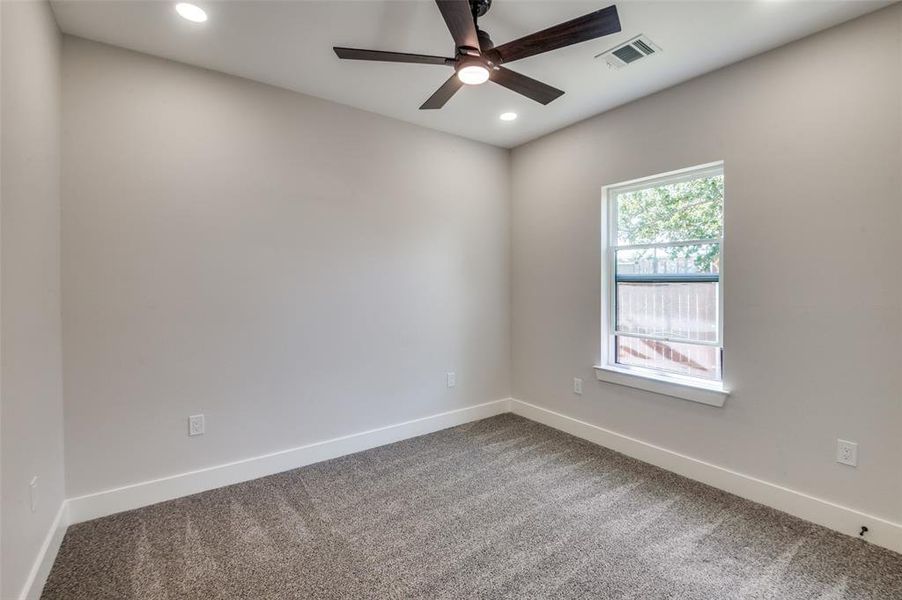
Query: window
{"type": "Point", "coordinates": [662, 268]}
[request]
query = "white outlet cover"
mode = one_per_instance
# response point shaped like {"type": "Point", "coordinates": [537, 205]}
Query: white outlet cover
{"type": "Point", "coordinates": [196, 425]}
{"type": "Point", "coordinates": [452, 379]}
{"type": "Point", "coordinates": [847, 453]}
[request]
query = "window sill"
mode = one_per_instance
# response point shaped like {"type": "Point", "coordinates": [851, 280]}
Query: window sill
{"type": "Point", "coordinates": [712, 394]}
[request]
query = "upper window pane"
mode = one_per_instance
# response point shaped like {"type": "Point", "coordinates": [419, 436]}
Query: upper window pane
{"type": "Point", "coordinates": [677, 260]}
{"type": "Point", "coordinates": [671, 212]}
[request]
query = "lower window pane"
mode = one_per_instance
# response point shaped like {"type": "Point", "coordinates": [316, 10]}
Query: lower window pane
{"type": "Point", "coordinates": [673, 357]}
{"type": "Point", "coordinates": [672, 310]}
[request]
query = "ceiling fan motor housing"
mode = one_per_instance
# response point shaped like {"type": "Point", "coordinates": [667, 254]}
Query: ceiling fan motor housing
{"type": "Point", "coordinates": [469, 61]}
{"type": "Point", "coordinates": [485, 42]}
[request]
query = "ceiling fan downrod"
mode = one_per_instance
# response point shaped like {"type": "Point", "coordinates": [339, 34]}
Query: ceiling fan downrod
{"type": "Point", "coordinates": [479, 8]}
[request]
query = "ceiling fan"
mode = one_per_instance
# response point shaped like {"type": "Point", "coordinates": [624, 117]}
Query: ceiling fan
{"type": "Point", "coordinates": [478, 60]}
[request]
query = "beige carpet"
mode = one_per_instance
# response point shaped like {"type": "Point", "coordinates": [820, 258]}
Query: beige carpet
{"type": "Point", "coordinates": [501, 508]}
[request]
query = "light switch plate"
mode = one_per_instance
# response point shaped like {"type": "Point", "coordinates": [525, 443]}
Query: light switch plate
{"type": "Point", "coordinates": [577, 386]}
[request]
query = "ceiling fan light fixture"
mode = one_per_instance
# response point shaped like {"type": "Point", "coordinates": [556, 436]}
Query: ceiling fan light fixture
{"type": "Point", "coordinates": [473, 74]}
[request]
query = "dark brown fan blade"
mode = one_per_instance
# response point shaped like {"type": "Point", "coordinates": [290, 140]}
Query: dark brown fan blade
{"type": "Point", "coordinates": [459, 19]}
{"type": "Point", "coordinates": [443, 94]}
{"type": "Point", "coordinates": [356, 54]}
{"type": "Point", "coordinates": [529, 87]}
{"type": "Point", "coordinates": [588, 27]}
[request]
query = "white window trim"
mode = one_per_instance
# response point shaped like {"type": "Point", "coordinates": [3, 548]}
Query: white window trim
{"type": "Point", "coordinates": [713, 393]}
{"type": "Point", "coordinates": [697, 390]}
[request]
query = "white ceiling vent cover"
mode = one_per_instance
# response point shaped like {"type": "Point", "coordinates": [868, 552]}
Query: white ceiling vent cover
{"type": "Point", "coordinates": [636, 49]}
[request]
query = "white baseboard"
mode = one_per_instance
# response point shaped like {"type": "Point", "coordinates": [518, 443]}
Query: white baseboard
{"type": "Point", "coordinates": [34, 584]}
{"type": "Point", "coordinates": [100, 504]}
{"type": "Point", "coordinates": [816, 510]}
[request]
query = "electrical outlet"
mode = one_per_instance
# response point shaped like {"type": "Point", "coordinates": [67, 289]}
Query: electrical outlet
{"type": "Point", "coordinates": [452, 379]}
{"type": "Point", "coordinates": [847, 453]}
{"type": "Point", "coordinates": [196, 425]}
{"type": "Point", "coordinates": [577, 386]}
{"type": "Point", "coordinates": [33, 493]}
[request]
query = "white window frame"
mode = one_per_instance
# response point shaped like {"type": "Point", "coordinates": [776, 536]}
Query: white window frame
{"type": "Point", "coordinates": [706, 391]}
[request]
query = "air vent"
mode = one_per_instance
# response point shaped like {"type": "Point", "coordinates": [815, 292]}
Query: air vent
{"type": "Point", "coordinates": [625, 54]}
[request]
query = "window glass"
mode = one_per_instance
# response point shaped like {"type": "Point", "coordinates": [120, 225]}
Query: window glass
{"type": "Point", "coordinates": [664, 276]}
{"type": "Point", "coordinates": [684, 311]}
{"type": "Point", "coordinates": [683, 259]}
{"type": "Point", "coordinates": [689, 360]}
{"type": "Point", "coordinates": [671, 212]}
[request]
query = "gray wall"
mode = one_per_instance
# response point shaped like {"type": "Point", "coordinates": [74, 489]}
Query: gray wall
{"type": "Point", "coordinates": [811, 137]}
{"type": "Point", "coordinates": [293, 269]}
{"type": "Point", "coordinates": [31, 418]}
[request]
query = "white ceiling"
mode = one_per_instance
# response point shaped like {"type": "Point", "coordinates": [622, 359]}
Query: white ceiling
{"type": "Point", "coordinates": [289, 44]}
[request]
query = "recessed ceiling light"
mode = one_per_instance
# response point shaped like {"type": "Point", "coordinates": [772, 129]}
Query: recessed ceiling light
{"type": "Point", "coordinates": [508, 116]}
{"type": "Point", "coordinates": [191, 12]}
